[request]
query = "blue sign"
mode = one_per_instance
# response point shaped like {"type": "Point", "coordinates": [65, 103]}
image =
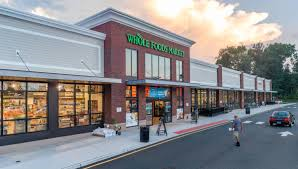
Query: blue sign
{"type": "Point", "coordinates": [158, 92]}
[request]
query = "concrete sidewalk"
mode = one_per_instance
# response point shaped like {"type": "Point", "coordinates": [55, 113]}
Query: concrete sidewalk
{"type": "Point", "coordinates": [83, 149]}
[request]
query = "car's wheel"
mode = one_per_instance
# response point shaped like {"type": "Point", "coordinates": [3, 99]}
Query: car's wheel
{"type": "Point", "coordinates": [271, 124]}
{"type": "Point", "coordinates": [290, 125]}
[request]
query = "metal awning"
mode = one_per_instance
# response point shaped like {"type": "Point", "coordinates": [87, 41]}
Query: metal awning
{"type": "Point", "coordinates": [55, 76]}
{"type": "Point", "coordinates": [158, 82]}
{"type": "Point", "coordinates": [201, 86]}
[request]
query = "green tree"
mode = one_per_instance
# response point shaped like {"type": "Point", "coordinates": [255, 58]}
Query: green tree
{"type": "Point", "coordinates": [276, 61]}
{"type": "Point", "coordinates": [235, 58]}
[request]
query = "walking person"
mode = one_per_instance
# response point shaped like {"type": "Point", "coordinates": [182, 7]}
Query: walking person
{"type": "Point", "coordinates": [237, 128]}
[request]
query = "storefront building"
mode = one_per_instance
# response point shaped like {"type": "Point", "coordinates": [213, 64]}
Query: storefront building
{"type": "Point", "coordinates": [52, 78]}
{"type": "Point", "coordinates": [153, 63]}
{"type": "Point", "coordinates": [59, 79]}
{"type": "Point", "coordinates": [217, 89]}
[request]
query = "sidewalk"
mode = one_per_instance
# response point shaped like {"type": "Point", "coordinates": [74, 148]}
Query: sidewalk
{"type": "Point", "coordinates": [82, 149]}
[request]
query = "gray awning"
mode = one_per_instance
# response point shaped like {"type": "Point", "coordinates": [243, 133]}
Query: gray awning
{"type": "Point", "coordinates": [55, 76]}
{"type": "Point", "coordinates": [157, 82]}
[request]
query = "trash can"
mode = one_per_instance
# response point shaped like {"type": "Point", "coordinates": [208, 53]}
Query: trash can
{"type": "Point", "coordinates": [144, 134]}
{"type": "Point", "coordinates": [247, 110]}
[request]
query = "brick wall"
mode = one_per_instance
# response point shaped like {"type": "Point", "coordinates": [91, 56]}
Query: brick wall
{"type": "Point", "coordinates": [115, 45]}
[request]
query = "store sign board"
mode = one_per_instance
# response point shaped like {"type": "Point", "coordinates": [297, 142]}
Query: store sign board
{"type": "Point", "coordinates": [158, 92]}
{"type": "Point", "coordinates": [140, 41]}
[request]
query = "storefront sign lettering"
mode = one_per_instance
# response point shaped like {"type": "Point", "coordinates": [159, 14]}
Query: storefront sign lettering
{"type": "Point", "coordinates": [140, 41]}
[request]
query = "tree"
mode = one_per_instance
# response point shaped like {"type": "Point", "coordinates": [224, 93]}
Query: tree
{"type": "Point", "coordinates": [276, 61]}
{"type": "Point", "coordinates": [235, 58]}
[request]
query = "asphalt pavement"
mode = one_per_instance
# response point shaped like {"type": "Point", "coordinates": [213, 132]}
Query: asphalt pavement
{"type": "Point", "coordinates": [262, 147]}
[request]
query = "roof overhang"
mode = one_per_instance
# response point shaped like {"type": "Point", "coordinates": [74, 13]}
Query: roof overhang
{"type": "Point", "coordinates": [53, 76]}
{"type": "Point", "coordinates": [158, 83]}
{"type": "Point", "coordinates": [114, 15]}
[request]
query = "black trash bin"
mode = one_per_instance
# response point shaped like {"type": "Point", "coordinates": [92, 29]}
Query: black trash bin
{"type": "Point", "coordinates": [247, 110]}
{"type": "Point", "coordinates": [144, 134]}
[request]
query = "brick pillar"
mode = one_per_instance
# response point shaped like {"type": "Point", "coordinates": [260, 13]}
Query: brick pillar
{"type": "Point", "coordinates": [257, 97]}
{"type": "Point", "coordinates": [219, 76]}
{"type": "Point", "coordinates": [174, 103]}
{"type": "Point", "coordinates": [219, 93]}
{"type": "Point", "coordinates": [115, 98]}
{"type": "Point", "coordinates": [241, 92]}
{"type": "Point", "coordinates": [242, 103]}
{"type": "Point", "coordinates": [142, 105]}
{"type": "Point", "coordinates": [264, 88]}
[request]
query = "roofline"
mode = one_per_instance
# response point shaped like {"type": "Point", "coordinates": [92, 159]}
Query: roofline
{"type": "Point", "coordinates": [231, 70]}
{"type": "Point", "coordinates": [197, 61]}
{"type": "Point", "coordinates": [50, 22]}
{"type": "Point", "coordinates": [111, 14]}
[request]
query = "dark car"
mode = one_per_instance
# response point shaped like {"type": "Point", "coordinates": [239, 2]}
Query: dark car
{"type": "Point", "coordinates": [282, 118]}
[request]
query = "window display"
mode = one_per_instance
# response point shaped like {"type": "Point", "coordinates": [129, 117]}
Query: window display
{"type": "Point", "coordinates": [66, 105]}
{"type": "Point", "coordinates": [131, 106]}
{"type": "Point", "coordinates": [82, 98]}
{"type": "Point", "coordinates": [96, 104]}
{"type": "Point", "coordinates": [80, 104]}
{"type": "Point", "coordinates": [24, 103]}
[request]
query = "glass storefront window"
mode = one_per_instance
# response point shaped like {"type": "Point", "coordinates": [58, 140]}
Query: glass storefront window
{"type": "Point", "coordinates": [37, 104]}
{"type": "Point", "coordinates": [14, 127]}
{"type": "Point", "coordinates": [132, 112]}
{"type": "Point", "coordinates": [66, 105]}
{"type": "Point", "coordinates": [96, 105]}
{"type": "Point", "coordinates": [82, 98]}
{"type": "Point", "coordinates": [24, 103]}
{"type": "Point", "coordinates": [80, 104]}
{"type": "Point", "coordinates": [14, 105]}
{"type": "Point", "coordinates": [37, 124]}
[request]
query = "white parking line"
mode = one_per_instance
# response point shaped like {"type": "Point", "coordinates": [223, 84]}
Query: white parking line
{"type": "Point", "coordinates": [247, 122]}
{"type": "Point", "coordinates": [260, 122]}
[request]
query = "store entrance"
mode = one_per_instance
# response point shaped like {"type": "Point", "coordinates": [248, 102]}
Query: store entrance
{"type": "Point", "coordinates": [161, 108]}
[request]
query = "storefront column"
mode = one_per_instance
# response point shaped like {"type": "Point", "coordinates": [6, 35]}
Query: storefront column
{"type": "Point", "coordinates": [187, 103]}
{"type": "Point", "coordinates": [142, 105]}
{"type": "Point", "coordinates": [174, 104]}
{"type": "Point", "coordinates": [53, 106]}
{"type": "Point", "coordinates": [114, 104]}
{"type": "Point", "coordinates": [256, 97]}
{"type": "Point", "coordinates": [242, 101]}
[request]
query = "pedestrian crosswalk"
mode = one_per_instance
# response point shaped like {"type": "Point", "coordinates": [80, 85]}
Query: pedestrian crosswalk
{"type": "Point", "coordinates": [249, 122]}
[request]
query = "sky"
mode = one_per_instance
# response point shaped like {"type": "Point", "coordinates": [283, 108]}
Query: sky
{"type": "Point", "coordinates": [213, 24]}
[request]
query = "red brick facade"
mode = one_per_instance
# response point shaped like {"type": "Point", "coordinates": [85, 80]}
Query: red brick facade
{"type": "Point", "coordinates": [115, 45]}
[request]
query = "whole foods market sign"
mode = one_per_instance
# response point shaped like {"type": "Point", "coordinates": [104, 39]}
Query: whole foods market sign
{"type": "Point", "coordinates": [140, 41]}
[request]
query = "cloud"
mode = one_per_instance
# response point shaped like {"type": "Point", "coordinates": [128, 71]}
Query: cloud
{"type": "Point", "coordinates": [213, 24]}
{"type": "Point", "coordinates": [42, 12]}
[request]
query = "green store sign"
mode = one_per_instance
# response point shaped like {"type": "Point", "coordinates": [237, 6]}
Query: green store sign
{"type": "Point", "coordinates": [140, 41]}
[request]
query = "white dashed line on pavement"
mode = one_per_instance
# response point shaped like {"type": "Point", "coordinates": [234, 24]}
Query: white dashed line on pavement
{"type": "Point", "coordinates": [247, 122]}
{"type": "Point", "coordinates": [260, 122]}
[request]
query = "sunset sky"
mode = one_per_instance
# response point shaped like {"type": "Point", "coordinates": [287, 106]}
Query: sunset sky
{"type": "Point", "coordinates": [213, 24]}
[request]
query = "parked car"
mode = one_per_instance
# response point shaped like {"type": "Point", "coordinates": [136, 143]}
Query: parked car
{"type": "Point", "coordinates": [282, 118]}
